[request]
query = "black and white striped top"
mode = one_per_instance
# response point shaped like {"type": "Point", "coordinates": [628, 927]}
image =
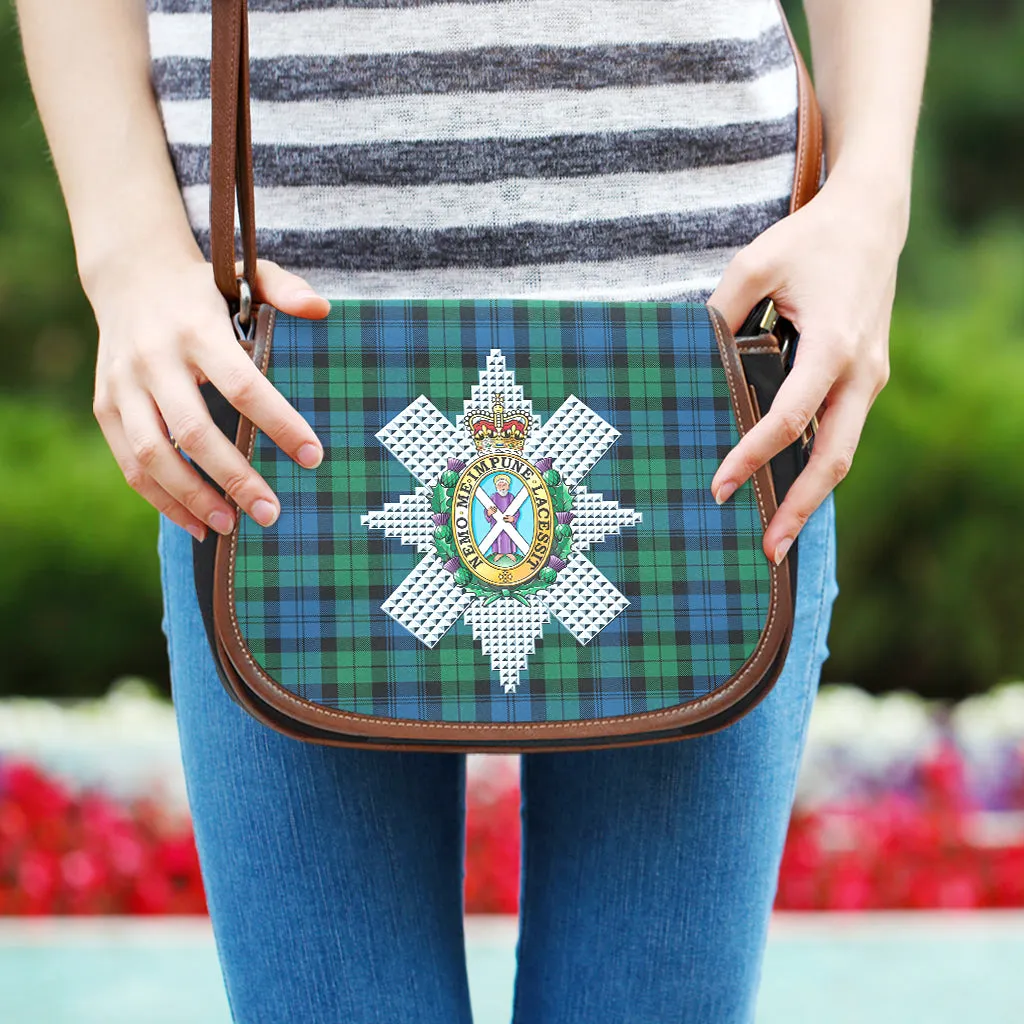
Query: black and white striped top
{"type": "Point", "coordinates": [551, 148]}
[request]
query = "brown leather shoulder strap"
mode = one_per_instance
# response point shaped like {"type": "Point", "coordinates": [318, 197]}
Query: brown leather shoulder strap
{"type": "Point", "coordinates": [231, 167]}
{"type": "Point", "coordinates": [810, 134]}
{"type": "Point", "coordinates": [231, 146]}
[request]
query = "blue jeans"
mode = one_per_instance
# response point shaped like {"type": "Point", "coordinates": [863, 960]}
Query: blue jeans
{"type": "Point", "coordinates": [334, 876]}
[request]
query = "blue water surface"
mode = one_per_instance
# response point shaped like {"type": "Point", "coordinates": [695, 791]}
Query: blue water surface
{"type": "Point", "coordinates": [883, 969]}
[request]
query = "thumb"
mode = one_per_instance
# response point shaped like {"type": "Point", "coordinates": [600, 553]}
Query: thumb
{"type": "Point", "coordinates": [288, 292]}
{"type": "Point", "coordinates": [745, 282]}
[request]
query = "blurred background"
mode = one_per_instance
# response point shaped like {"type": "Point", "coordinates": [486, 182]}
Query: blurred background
{"type": "Point", "coordinates": [912, 791]}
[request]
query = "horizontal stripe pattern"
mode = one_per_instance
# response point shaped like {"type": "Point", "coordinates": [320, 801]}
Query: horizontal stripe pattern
{"type": "Point", "coordinates": [656, 151]}
{"type": "Point", "coordinates": [522, 243]}
{"type": "Point", "coordinates": [204, 6]}
{"type": "Point", "coordinates": [683, 276]}
{"type": "Point", "coordinates": [499, 203]}
{"type": "Point", "coordinates": [451, 28]}
{"type": "Point", "coordinates": [481, 114]}
{"type": "Point", "coordinates": [498, 147]}
{"type": "Point", "coordinates": [487, 69]}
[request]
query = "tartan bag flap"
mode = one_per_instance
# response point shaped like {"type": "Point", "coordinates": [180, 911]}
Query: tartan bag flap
{"type": "Point", "coordinates": [511, 541]}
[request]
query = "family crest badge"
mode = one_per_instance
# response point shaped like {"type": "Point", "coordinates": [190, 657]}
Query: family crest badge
{"type": "Point", "coordinates": [503, 520]}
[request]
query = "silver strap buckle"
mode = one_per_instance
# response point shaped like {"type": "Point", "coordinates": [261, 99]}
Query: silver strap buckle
{"type": "Point", "coordinates": [245, 328]}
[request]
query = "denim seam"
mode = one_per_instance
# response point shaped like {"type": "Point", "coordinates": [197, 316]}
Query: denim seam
{"type": "Point", "coordinates": [811, 693]}
{"type": "Point", "coordinates": [524, 844]}
{"type": "Point", "coordinates": [161, 550]}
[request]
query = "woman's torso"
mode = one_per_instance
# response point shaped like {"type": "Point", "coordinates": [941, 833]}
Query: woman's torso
{"type": "Point", "coordinates": [551, 148]}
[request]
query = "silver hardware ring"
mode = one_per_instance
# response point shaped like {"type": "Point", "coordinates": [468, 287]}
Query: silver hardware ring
{"type": "Point", "coordinates": [244, 302]}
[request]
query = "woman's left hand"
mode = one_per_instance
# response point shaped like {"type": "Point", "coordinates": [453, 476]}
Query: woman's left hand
{"type": "Point", "coordinates": [831, 269]}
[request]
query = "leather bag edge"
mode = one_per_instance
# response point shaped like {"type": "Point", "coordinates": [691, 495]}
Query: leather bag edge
{"type": "Point", "coordinates": [283, 710]}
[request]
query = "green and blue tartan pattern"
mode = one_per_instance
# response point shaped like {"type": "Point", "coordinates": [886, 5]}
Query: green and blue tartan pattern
{"type": "Point", "coordinates": [308, 590]}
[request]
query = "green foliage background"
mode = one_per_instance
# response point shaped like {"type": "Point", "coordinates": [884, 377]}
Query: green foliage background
{"type": "Point", "coordinates": [931, 545]}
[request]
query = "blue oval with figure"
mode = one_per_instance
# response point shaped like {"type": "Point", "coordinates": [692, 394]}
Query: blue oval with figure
{"type": "Point", "coordinates": [502, 519]}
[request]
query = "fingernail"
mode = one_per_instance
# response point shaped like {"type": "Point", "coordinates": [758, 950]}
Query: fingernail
{"type": "Point", "coordinates": [780, 552]}
{"type": "Point", "coordinates": [198, 532]}
{"type": "Point", "coordinates": [305, 293]}
{"type": "Point", "coordinates": [725, 492]}
{"type": "Point", "coordinates": [263, 512]}
{"type": "Point", "coordinates": [221, 522]}
{"type": "Point", "coordinates": [310, 455]}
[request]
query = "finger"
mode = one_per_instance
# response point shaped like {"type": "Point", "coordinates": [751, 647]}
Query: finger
{"type": "Point", "coordinates": [288, 292]}
{"type": "Point", "coordinates": [189, 420]}
{"type": "Point", "coordinates": [235, 376]}
{"type": "Point", "coordinates": [746, 281]}
{"type": "Point", "coordinates": [799, 397]}
{"type": "Point", "coordinates": [834, 445]}
{"type": "Point", "coordinates": [143, 484]}
{"type": "Point", "coordinates": [151, 449]}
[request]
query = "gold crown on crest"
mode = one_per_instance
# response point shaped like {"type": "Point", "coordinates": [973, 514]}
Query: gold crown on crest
{"type": "Point", "coordinates": [496, 428]}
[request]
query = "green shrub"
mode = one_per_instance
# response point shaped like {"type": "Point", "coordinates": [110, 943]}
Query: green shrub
{"type": "Point", "coordinates": [79, 577]}
{"type": "Point", "coordinates": [931, 546]}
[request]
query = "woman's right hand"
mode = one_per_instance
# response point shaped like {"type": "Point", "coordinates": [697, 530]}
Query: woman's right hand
{"type": "Point", "coordinates": [162, 334]}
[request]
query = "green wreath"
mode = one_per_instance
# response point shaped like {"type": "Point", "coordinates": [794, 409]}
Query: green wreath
{"type": "Point", "coordinates": [441, 500]}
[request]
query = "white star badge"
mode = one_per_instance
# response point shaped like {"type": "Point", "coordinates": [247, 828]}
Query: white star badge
{"type": "Point", "coordinates": [502, 520]}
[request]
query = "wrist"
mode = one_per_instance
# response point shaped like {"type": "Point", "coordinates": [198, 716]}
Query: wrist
{"type": "Point", "coordinates": [139, 261]}
{"type": "Point", "coordinates": [875, 194]}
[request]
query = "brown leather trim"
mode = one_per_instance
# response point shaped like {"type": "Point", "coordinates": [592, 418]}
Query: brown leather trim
{"type": "Point", "coordinates": [763, 663]}
{"type": "Point", "coordinates": [246, 182]}
{"type": "Point", "coordinates": [288, 727]}
{"type": "Point", "coordinates": [746, 413]}
{"type": "Point", "coordinates": [231, 146]}
{"type": "Point", "coordinates": [266, 316]}
{"type": "Point", "coordinates": [760, 345]}
{"type": "Point", "coordinates": [224, 137]}
{"type": "Point", "coordinates": [810, 133]}
{"type": "Point", "coordinates": [247, 700]}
